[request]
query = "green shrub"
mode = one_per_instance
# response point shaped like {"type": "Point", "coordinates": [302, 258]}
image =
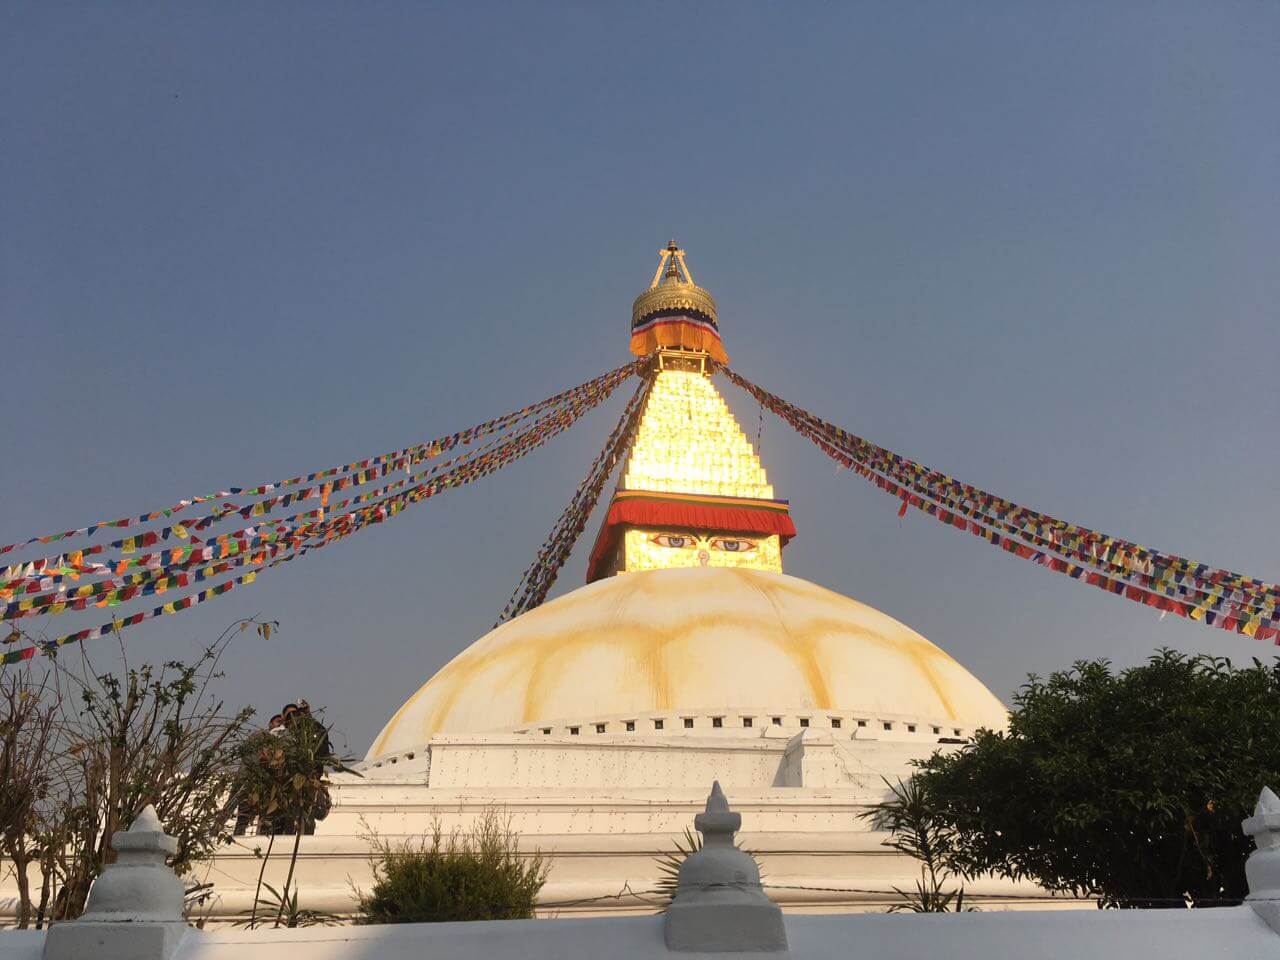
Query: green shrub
{"type": "Point", "coordinates": [1125, 785]}
{"type": "Point", "coordinates": [466, 876]}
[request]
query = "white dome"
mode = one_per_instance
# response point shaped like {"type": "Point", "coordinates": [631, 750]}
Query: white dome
{"type": "Point", "coordinates": [692, 641]}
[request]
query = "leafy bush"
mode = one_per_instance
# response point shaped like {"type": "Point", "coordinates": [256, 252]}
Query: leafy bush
{"type": "Point", "coordinates": [283, 783]}
{"type": "Point", "coordinates": [915, 830]}
{"type": "Point", "coordinates": [84, 748]}
{"type": "Point", "coordinates": [286, 909]}
{"type": "Point", "coordinates": [283, 777]}
{"type": "Point", "coordinates": [466, 876]}
{"type": "Point", "coordinates": [1127, 786]}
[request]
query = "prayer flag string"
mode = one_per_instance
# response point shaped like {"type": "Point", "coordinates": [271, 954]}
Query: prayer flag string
{"type": "Point", "coordinates": [181, 567]}
{"type": "Point", "coordinates": [937, 489]}
{"type": "Point", "coordinates": [537, 580]}
{"type": "Point", "coordinates": [1121, 554]}
{"type": "Point", "coordinates": [1164, 581]}
{"type": "Point", "coordinates": [382, 463]}
{"type": "Point", "coordinates": [39, 575]}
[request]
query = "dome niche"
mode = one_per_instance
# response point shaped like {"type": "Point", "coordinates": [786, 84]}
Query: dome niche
{"type": "Point", "coordinates": [694, 642]}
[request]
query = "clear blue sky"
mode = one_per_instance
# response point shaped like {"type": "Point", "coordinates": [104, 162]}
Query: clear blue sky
{"type": "Point", "coordinates": [1033, 245]}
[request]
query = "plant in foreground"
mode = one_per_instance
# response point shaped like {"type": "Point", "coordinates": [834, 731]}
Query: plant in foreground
{"type": "Point", "coordinates": [479, 875]}
{"type": "Point", "coordinates": [282, 910]}
{"type": "Point", "coordinates": [916, 831]}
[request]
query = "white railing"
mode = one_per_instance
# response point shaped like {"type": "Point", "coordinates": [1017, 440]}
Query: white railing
{"type": "Point", "coordinates": [135, 912]}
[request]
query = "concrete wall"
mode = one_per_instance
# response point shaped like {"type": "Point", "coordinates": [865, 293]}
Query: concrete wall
{"type": "Point", "coordinates": [574, 762]}
{"type": "Point", "coordinates": [741, 758]}
{"type": "Point", "coordinates": [721, 909]}
{"type": "Point", "coordinates": [1228, 934]}
{"type": "Point", "coordinates": [603, 808]}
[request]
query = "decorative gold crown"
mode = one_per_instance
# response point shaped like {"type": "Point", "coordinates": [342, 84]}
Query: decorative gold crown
{"type": "Point", "coordinates": [672, 289]}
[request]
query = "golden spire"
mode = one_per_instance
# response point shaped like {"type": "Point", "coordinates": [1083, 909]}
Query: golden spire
{"type": "Point", "coordinates": [675, 311]}
{"type": "Point", "coordinates": [673, 288]}
{"type": "Point", "coordinates": [693, 493]}
{"type": "Point", "coordinates": [675, 258]}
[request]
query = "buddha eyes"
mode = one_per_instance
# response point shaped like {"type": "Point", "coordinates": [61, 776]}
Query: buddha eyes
{"type": "Point", "coordinates": [680, 541]}
{"type": "Point", "coordinates": [732, 545]}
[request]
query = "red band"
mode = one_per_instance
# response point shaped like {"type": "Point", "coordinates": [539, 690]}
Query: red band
{"type": "Point", "coordinates": [683, 511]}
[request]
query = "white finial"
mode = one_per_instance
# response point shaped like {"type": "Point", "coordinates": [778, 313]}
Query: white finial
{"type": "Point", "coordinates": [1264, 825]}
{"type": "Point", "coordinates": [720, 906]}
{"type": "Point", "coordinates": [135, 907]}
{"type": "Point", "coordinates": [139, 885]}
{"type": "Point", "coordinates": [717, 802]}
{"type": "Point", "coordinates": [717, 823]}
{"type": "Point", "coordinates": [1268, 802]}
{"type": "Point", "coordinates": [1262, 869]}
{"type": "Point", "coordinates": [145, 841]}
{"type": "Point", "coordinates": [147, 821]}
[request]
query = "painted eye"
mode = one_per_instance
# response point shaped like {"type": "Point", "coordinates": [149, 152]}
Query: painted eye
{"type": "Point", "coordinates": [673, 540]}
{"type": "Point", "coordinates": [731, 545]}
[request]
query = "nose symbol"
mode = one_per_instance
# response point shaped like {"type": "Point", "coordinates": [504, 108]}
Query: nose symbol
{"type": "Point", "coordinates": [704, 558]}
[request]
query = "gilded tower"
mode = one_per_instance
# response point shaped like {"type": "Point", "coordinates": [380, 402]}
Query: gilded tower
{"type": "Point", "coordinates": [694, 493]}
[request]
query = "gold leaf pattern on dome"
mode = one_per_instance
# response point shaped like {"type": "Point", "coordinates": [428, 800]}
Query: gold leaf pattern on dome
{"type": "Point", "coordinates": [634, 645]}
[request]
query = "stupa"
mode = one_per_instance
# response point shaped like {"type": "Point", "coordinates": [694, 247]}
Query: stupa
{"type": "Point", "coordinates": [597, 720]}
{"type": "Point", "coordinates": [688, 627]}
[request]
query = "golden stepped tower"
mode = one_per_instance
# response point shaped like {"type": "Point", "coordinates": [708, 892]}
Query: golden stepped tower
{"type": "Point", "coordinates": [688, 628]}
{"type": "Point", "coordinates": [689, 442]}
{"type": "Point", "coordinates": [694, 493]}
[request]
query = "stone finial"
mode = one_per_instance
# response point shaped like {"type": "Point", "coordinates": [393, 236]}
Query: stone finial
{"type": "Point", "coordinates": [1263, 866]}
{"type": "Point", "coordinates": [148, 821]}
{"type": "Point", "coordinates": [719, 905]}
{"type": "Point", "coordinates": [135, 908]}
{"type": "Point", "coordinates": [139, 886]}
{"type": "Point", "coordinates": [717, 823]}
